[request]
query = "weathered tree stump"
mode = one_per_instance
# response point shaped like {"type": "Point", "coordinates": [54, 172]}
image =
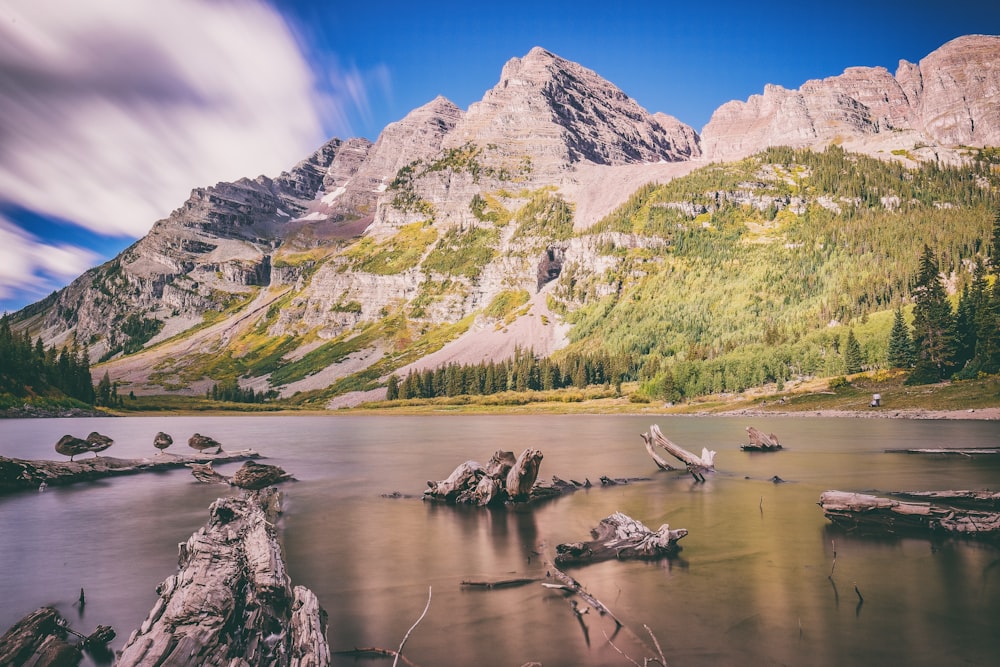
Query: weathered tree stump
{"type": "Point", "coordinates": [696, 465]}
{"type": "Point", "coordinates": [621, 537]}
{"type": "Point", "coordinates": [760, 441]}
{"type": "Point", "coordinates": [523, 474]}
{"type": "Point", "coordinates": [231, 602]}
{"type": "Point", "coordinates": [503, 479]}
{"type": "Point", "coordinates": [868, 514]}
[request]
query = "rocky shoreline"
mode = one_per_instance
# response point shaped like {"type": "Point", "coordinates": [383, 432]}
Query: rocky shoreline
{"type": "Point", "coordinates": [985, 414]}
{"type": "Point", "coordinates": [27, 411]}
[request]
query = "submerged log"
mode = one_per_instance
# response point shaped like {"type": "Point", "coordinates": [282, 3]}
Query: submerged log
{"type": "Point", "coordinates": [864, 513]}
{"type": "Point", "coordinates": [621, 537]}
{"type": "Point", "coordinates": [760, 441]}
{"type": "Point", "coordinates": [951, 451]}
{"type": "Point", "coordinates": [981, 500]}
{"type": "Point", "coordinates": [231, 602]}
{"type": "Point", "coordinates": [21, 474]}
{"type": "Point", "coordinates": [696, 465]}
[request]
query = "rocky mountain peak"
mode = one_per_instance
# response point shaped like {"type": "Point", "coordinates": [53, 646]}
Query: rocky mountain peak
{"type": "Point", "coordinates": [559, 113]}
{"type": "Point", "coordinates": [354, 184]}
{"type": "Point", "coordinates": [951, 99]}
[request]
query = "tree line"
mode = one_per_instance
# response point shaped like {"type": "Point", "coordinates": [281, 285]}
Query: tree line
{"type": "Point", "coordinates": [230, 390]}
{"type": "Point", "coordinates": [29, 369]}
{"type": "Point", "coordinates": [523, 372]}
{"type": "Point", "coordinates": [963, 342]}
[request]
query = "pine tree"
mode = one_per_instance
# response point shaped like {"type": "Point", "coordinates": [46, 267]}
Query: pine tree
{"type": "Point", "coordinates": [392, 388]}
{"type": "Point", "coordinates": [900, 345]}
{"type": "Point", "coordinates": [853, 361]}
{"type": "Point", "coordinates": [933, 325]}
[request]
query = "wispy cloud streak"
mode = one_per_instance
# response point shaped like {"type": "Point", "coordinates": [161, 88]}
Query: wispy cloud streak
{"type": "Point", "coordinates": [112, 110]}
{"type": "Point", "coordinates": [28, 264]}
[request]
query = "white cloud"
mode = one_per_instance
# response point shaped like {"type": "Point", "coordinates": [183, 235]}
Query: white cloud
{"type": "Point", "coordinates": [111, 111]}
{"type": "Point", "coordinates": [29, 265]}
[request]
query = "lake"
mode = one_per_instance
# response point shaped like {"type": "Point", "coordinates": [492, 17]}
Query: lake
{"type": "Point", "coordinates": [750, 587]}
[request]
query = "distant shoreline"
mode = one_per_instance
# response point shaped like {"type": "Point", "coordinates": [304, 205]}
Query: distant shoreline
{"type": "Point", "coordinates": [979, 414]}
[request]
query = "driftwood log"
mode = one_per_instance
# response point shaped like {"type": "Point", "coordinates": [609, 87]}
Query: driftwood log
{"type": "Point", "coordinates": [696, 465]}
{"type": "Point", "coordinates": [231, 602]}
{"type": "Point", "coordinates": [621, 537]}
{"type": "Point", "coordinates": [660, 462]}
{"type": "Point", "coordinates": [42, 638]}
{"type": "Point", "coordinates": [760, 441]}
{"type": "Point", "coordinates": [977, 500]}
{"type": "Point", "coordinates": [951, 451]}
{"type": "Point", "coordinates": [503, 479]}
{"type": "Point", "coordinates": [21, 474]}
{"type": "Point", "coordinates": [864, 513]}
{"type": "Point", "coordinates": [39, 638]}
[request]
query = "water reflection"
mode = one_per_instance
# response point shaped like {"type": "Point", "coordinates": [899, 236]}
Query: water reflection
{"type": "Point", "coordinates": [752, 584]}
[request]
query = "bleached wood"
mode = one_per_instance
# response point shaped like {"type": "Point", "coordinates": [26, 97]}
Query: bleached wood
{"type": "Point", "coordinates": [696, 465]}
{"type": "Point", "coordinates": [231, 598]}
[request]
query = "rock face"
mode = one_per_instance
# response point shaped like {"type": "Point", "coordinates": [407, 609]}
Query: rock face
{"type": "Point", "coordinates": [951, 98]}
{"type": "Point", "coordinates": [561, 113]}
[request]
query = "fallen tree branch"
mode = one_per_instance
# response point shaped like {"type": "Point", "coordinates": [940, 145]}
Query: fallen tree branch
{"type": "Point", "coordinates": [696, 465]}
{"type": "Point", "coordinates": [574, 586]}
{"type": "Point", "coordinates": [427, 606]}
{"type": "Point", "coordinates": [378, 652]}
{"type": "Point", "coordinates": [660, 462]}
{"type": "Point", "coordinates": [503, 583]}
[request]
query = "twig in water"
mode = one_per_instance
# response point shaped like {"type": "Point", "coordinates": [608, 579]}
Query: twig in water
{"type": "Point", "coordinates": [646, 662]}
{"type": "Point", "coordinates": [376, 651]}
{"type": "Point", "coordinates": [858, 592]}
{"type": "Point", "coordinates": [623, 654]}
{"type": "Point", "coordinates": [656, 642]}
{"type": "Point", "coordinates": [834, 566]}
{"type": "Point", "coordinates": [399, 651]}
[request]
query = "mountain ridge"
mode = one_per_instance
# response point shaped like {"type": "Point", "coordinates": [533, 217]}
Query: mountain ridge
{"type": "Point", "coordinates": [450, 211]}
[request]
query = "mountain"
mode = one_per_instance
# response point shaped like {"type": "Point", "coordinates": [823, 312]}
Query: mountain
{"type": "Point", "coordinates": [949, 99]}
{"type": "Point", "coordinates": [460, 236]}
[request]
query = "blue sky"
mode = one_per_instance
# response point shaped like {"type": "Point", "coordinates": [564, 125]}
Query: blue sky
{"type": "Point", "coordinates": [111, 111]}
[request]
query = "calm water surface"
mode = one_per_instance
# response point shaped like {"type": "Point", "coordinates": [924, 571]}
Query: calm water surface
{"type": "Point", "coordinates": [751, 585]}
